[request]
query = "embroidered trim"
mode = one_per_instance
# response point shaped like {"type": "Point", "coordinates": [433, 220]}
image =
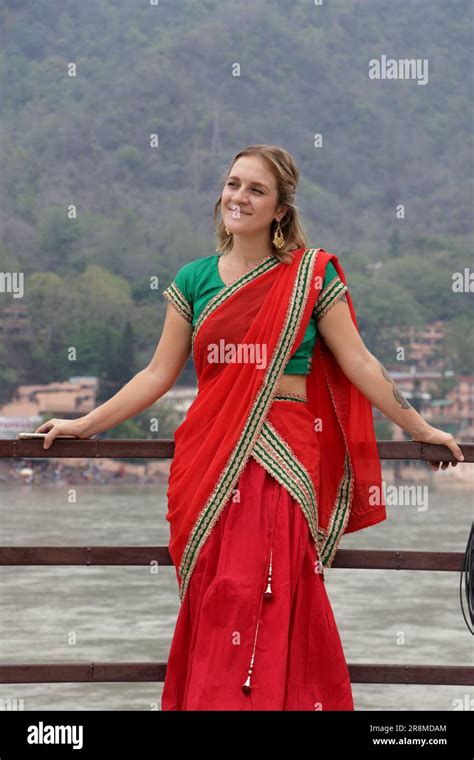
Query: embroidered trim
{"type": "Point", "coordinates": [254, 423]}
{"type": "Point", "coordinates": [341, 511]}
{"type": "Point", "coordinates": [328, 297]}
{"type": "Point", "coordinates": [276, 456]}
{"type": "Point", "coordinates": [339, 516]}
{"type": "Point", "coordinates": [175, 296]}
{"type": "Point", "coordinates": [250, 269]}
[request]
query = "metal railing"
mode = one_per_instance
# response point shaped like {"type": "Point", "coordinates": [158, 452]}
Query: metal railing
{"type": "Point", "coordinates": [131, 555]}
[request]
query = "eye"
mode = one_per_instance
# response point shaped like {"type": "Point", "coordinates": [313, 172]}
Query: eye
{"type": "Point", "coordinates": [231, 182]}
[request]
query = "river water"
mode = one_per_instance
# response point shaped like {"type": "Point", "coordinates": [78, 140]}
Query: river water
{"type": "Point", "coordinates": [104, 614]}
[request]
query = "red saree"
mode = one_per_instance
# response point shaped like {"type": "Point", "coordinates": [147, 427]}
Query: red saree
{"type": "Point", "coordinates": [315, 470]}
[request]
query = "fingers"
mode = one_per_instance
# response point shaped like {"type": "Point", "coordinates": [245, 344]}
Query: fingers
{"type": "Point", "coordinates": [453, 446]}
{"type": "Point", "coordinates": [45, 427]}
{"type": "Point", "coordinates": [455, 449]}
{"type": "Point", "coordinates": [444, 465]}
{"type": "Point", "coordinates": [50, 438]}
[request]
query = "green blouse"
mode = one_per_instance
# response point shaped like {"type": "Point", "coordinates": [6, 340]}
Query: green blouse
{"type": "Point", "coordinates": [198, 281]}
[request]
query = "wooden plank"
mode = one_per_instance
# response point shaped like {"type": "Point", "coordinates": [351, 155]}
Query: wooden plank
{"type": "Point", "coordinates": [130, 448]}
{"type": "Point", "coordinates": [107, 672]}
{"type": "Point", "coordinates": [363, 559]}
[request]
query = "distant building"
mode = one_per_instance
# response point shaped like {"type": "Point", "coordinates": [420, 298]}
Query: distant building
{"type": "Point", "coordinates": [457, 406]}
{"type": "Point", "coordinates": [15, 322]}
{"type": "Point", "coordinates": [451, 410]}
{"type": "Point", "coordinates": [180, 397]}
{"type": "Point", "coordinates": [68, 399]}
{"type": "Point", "coordinates": [423, 345]}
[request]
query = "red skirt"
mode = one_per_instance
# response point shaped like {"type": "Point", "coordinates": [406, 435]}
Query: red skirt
{"type": "Point", "coordinates": [231, 635]}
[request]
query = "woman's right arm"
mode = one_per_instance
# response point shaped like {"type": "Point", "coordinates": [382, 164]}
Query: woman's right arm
{"type": "Point", "coordinates": [146, 387]}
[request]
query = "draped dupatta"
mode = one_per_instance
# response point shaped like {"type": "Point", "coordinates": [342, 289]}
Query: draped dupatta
{"type": "Point", "coordinates": [242, 342]}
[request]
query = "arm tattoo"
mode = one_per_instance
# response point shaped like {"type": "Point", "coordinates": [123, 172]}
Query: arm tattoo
{"type": "Point", "coordinates": [396, 391]}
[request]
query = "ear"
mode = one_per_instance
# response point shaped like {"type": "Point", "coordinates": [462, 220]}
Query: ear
{"type": "Point", "coordinates": [282, 210]}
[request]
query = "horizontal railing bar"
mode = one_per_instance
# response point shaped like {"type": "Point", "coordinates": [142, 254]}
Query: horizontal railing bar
{"type": "Point", "coordinates": [455, 675]}
{"type": "Point", "coordinates": [113, 448]}
{"type": "Point", "coordinates": [364, 559]}
{"type": "Point", "coordinates": [128, 448]}
{"type": "Point", "coordinates": [84, 555]}
{"type": "Point", "coordinates": [378, 559]}
{"type": "Point", "coordinates": [106, 672]}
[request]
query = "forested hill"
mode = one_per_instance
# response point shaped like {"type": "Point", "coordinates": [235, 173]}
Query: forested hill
{"type": "Point", "coordinates": [385, 163]}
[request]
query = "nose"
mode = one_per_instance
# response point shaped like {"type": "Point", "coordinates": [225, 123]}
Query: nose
{"type": "Point", "coordinates": [237, 196]}
{"type": "Point", "coordinates": [241, 201]}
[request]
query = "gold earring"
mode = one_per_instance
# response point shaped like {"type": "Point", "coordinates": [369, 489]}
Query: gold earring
{"type": "Point", "coordinates": [278, 239]}
{"type": "Point", "coordinates": [227, 231]}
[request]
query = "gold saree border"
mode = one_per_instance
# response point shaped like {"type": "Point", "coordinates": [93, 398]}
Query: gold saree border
{"type": "Point", "coordinates": [236, 462]}
{"type": "Point", "coordinates": [277, 457]}
{"type": "Point", "coordinates": [342, 504]}
{"type": "Point", "coordinates": [329, 297]}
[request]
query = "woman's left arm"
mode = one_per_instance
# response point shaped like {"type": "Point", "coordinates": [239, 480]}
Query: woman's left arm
{"type": "Point", "coordinates": [372, 379]}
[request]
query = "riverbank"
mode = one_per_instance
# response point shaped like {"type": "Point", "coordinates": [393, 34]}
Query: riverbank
{"type": "Point", "coordinates": [461, 476]}
{"type": "Point", "coordinates": [74, 471]}
{"type": "Point", "coordinates": [77, 471]}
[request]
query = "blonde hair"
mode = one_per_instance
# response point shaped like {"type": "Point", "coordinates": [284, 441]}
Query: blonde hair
{"type": "Point", "coordinates": [283, 168]}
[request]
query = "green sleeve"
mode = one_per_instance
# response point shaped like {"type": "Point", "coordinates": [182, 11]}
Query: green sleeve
{"type": "Point", "coordinates": [181, 291]}
{"type": "Point", "coordinates": [330, 274]}
{"type": "Point", "coordinates": [332, 291]}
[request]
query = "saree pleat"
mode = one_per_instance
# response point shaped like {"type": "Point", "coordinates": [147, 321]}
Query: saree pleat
{"type": "Point", "coordinates": [256, 609]}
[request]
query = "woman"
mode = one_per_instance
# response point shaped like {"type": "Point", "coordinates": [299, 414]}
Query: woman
{"type": "Point", "coordinates": [276, 458]}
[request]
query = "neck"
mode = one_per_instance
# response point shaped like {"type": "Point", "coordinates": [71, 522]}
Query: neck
{"type": "Point", "coordinates": [247, 251]}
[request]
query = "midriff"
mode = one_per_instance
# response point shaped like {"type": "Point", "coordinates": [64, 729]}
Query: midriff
{"type": "Point", "coordinates": [293, 384]}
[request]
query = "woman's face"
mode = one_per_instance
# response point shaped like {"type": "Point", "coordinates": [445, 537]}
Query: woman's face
{"type": "Point", "coordinates": [249, 197]}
